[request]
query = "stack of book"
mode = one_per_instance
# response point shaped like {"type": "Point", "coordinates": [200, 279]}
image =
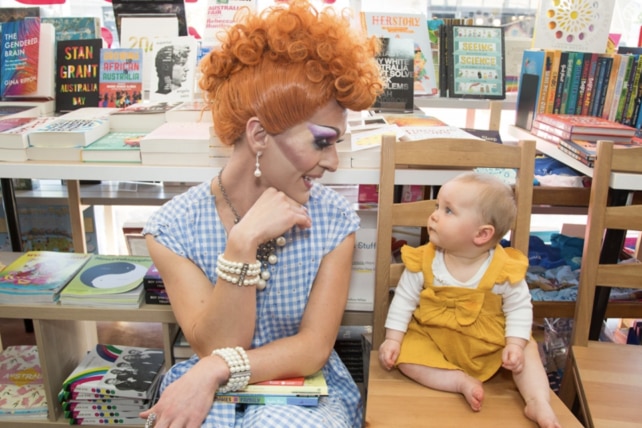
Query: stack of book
{"type": "Point", "coordinates": [14, 136]}
{"type": "Point", "coordinates": [39, 276]}
{"type": "Point", "coordinates": [108, 280]}
{"type": "Point", "coordinates": [112, 385]}
{"type": "Point", "coordinates": [154, 287]}
{"type": "Point", "coordinates": [140, 117]}
{"type": "Point", "coordinates": [181, 349]}
{"type": "Point", "coordinates": [301, 391]}
{"type": "Point", "coordinates": [114, 147]}
{"type": "Point", "coordinates": [577, 135]}
{"type": "Point", "coordinates": [183, 143]}
{"type": "Point", "coordinates": [22, 392]}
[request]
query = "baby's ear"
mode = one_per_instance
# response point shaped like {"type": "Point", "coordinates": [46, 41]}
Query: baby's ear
{"type": "Point", "coordinates": [485, 234]}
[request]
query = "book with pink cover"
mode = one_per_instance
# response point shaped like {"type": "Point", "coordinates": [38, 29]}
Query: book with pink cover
{"type": "Point", "coordinates": [22, 391]}
{"type": "Point", "coordinates": [585, 124]}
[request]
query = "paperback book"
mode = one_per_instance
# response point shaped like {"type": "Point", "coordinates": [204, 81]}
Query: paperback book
{"type": "Point", "coordinates": [179, 137]}
{"type": "Point", "coordinates": [312, 384]}
{"type": "Point", "coordinates": [8, 111]}
{"type": "Point", "coordinates": [77, 74]}
{"type": "Point", "coordinates": [74, 27]}
{"type": "Point", "coordinates": [553, 133]}
{"type": "Point", "coordinates": [22, 392]}
{"type": "Point", "coordinates": [308, 400]}
{"type": "Point", "coordinates": [55, 154]}
{"type": "Point", "coordinates": [141, 117]}
{"type": "Point", "coordinates": [121, 77]}
{"type": "Point", "coordinates": [9, 139]}
{"type": "Point", "coordinates": [156, 296]}
{"type": "Point", "coordinates": [152, 279]}
{"type": "Point", "coordinates": [114, 147]}
{"type": "Point", "coordinates": [38, 276]}
{"type": "Point", "coordinates": [108, 280]}
{"type": "Point", "coordinates": [114, 371]}
{"type": "Point", "coordinates": [190, 111]}
{"type": "Point", "coordinates": [396, 62]}
{"type": "Point", "coordinates": [68, 132]}
{"type": "Point", "coordinates": [174, 69]}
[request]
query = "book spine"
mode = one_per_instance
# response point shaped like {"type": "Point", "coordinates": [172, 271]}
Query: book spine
{"type": "Point", "coordinates": [545, 81]}
{"type": "Point", "coordinates": [568, 81]}
{"type": "Point", "coordinates": [552, 84]}
{"type": "Point", "coordinates": [597, 85]}
{"type": "Point", "coordinates": [540, 133]}
{"type": "Point", "coordinates": [627, 87]}
{"type": "Point", "coordinates": [586, 162]}
{"type": "Point", "coordinates": [586, 67]}
{"type": "Point", "coordinates": [590, 83]}
{"type": "Point", "coordinates": [619, 84]}
{"type": "Point", "coordinates": [613, 82]}
{"type": "Point", "coordinates": [601, 95]}
{"type": "Point", "coordinates": [571, 147]}
{"type": "Point", "coordinates": [576, 80]}
{"type": "Point", "coordinates": [561, 79]}
{"type": "Point", "coordinates": [562, 133]}
{"type": "Point", "coordinates": [627, 115]}
{"type": "Point", "coordinates": [297, 400]}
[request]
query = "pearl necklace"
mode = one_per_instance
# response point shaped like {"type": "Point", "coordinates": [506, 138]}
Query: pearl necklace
{"type": "Point", "coordinates": [265, 252]}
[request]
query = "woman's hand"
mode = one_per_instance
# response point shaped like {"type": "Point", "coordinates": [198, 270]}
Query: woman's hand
{"type": "Point", "coordinates": [187, 401]}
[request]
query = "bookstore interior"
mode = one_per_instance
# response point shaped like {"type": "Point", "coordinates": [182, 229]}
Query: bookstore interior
{"type": "Point", "coordinates": [88, 152]}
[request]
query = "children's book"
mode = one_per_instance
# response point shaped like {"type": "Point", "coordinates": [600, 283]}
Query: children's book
{"type": "Point", "coordinates": [22, 392]}
{"type": "Point", "coordinates": [407, 25]}
{"type": "Point", "coordinates": [117, 371]}
{"type": "Point", "coordinates": [77, 76]}
{"type": "Point", "coordinates": [38, 276]}
{"type": "Point", "coordinates": [121, 77]}
{"type": "Point", "coordinates": [114, 147]}
{"type": "Point", "coordinates": [108, 280]}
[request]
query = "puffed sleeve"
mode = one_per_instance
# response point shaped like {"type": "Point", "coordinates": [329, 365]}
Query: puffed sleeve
{"type": "Point", "coordinates": [412, 257]}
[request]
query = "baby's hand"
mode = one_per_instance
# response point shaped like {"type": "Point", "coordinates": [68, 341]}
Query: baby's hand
{"type": "Point", "coordinates": [513, 357]}
{"type": "Point", "coordinates": [388, 353]}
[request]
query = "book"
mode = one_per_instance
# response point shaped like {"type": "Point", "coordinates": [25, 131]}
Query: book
{"type": "Point", "coordinates": [108, 280]}
{"type": "Point", "coordinates": [588, 66]}
{"type": "Point", "coordinates": [9, 13]}
{"type": "Point", "coordinates": [313, 384]}
{"type": "Point", "coordinates": [10, 135]}
{"type": "Point", "coordinates": [13, 155]}
{"type": "Point", "coordinates": [586, 124]}
{"type": "Point", "coordinates": [141, 117]}
{"type": "Point", "coordinates": [605, 63]}
{"type": "Point", "coordinates": [220, 16]}
{"type": "Point", "coordinates": [55, 154]}
{"type": "Point", "coordinates": [587, 149]}
{"type": "Point", "coordinates": [174, 68]}
{"type": "Point", "coordinates": [612, 85]}
{"type": "Point", "coordinates": [540, 128]}
{"type": "Point", "coordinates": [39, 276]}
{"type": "Point", "coordinates": [560, 25]}
{"type": "Point", "coordinates": [421, 132]}
{"type": "Point", "coordinates": [146, 7]}
{"type": "Point", "coordinates": [77, 74]}
{"type": "Point", "coordinates": [156, 296]}
{"type": "Point", "coordinates": [573, 88]}
{"type": "Point", "coordinates": [552, 84]}
{"type": "Point", "coordinates": [561, 80]}
{"type": "Point", "coordinates": [27, 70]}
{"type": "Point", "coordinates": [152, 279]}
{"type": "Point", "coordinates": [114, 147]}
{"type": "Point", "coordinates": [475, 58]}
{"type": "Point", "coordinates": [246, 398]}
{"type": "Point", "coordinates": [121, 77]}
{"type": "Point", "coordinates": [190, 111]}
{"type": "Point", "coordinates": [180, 137]}
{"type": "Point", "coordinates": [531, 84]}
{"type": "Point", "coordinates": [8, 111]}
{"type": "Point", "coordinates": [117, 371]}
{"type": "Point", "coordinates": [181, 349]}
{"type": "Point", "coordinates": [74, 27]}
{"type": "Point", "coordinates": [45, 106]}
{"type": "Point", "coordinates": [22, 391]}
{"type": "Point", "coordinates": [396, 62]}
{"type": "Point", "coordinates": [411, 25]}
{"type": "Point", "coordinates": [626, 87]}
{"type": "Point", "coordinates": [68, 132]}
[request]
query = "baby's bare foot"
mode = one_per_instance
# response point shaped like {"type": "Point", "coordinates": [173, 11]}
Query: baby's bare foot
{"type": "Point", "coordinates": [540, 411]}
{"type": "Point", "coordinates": [473, 391]}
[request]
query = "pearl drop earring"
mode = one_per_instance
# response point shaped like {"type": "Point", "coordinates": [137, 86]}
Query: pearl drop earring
{"type": "Point", "coordinates": [257, 170]}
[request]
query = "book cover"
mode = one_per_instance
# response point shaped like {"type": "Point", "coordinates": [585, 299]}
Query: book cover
{"type": "Point", "coordinates": [552, 84]}
{"type": "Point", "coordinates": [587, 149]}
{"type": "Point", "coordinates": [114, 147]}
{"type": "Point", "coordinates": [20, 42]}
{"type": "Point", "coordinates": [181, 137]}
{"type": "Point", "coordinates": [434, 36]}
{"type": "Point", "coordinates": [406, 25]}
{"type": "Point", "coordinates": [117, 371]}
{"type": "Point", "coordinates": [141, 117]}
{"type": "Point", "coordinates": [581, 159]}
{"type": "Point", "coordinates": [190, 111]}
{"type": "Point", "coordinates": [22, 392]}
{"type": "Point", "coordinates": [313, 384]}
{"type": "Point", "coordinates": [588, 68]}
{"type": "Point", "coordinates": [28, 71]}
{"type": "Point", "coordinates": [627, 112]}
{"type": "Point", "coordinates": [38, 276]}
{"type": "Point", "coordinates": [531, 82]}
{"type": "Point", "coordinates": [574, 84]}
{"type": "Point", "coordinates": [220, 16]}
{"type": "Point", "coordinates": [63, 132]}
{"type": "Point", "coordinates": [396, 62]}
{"type": "Point", "coordinates": [106, 275]}
{"type": "Point", "coordinates": [74, 27]}
{"type": "Point", "coordinates": [586, 124]}
{"type": "Point", "coordinates": [156, 296]}
{"type": "Point", "coordinates": [561, 79]}
{"type": "Point", "coordinates": [245, 398]}
{"type": "Point", "coordinates": [568, 82]}
{"type": "Point", "coordinates": [573, 25]}
{"type": "Point", "coordinates": [77, 74]}
{"type": "Point", "coordinates": [514, 48]}
{"type": "Point", "coordinates": [604, 66]}
{"type": "Point", "coordinates": [120, 77]}
{"type": "Point", "coordinates": [476, 62]}
{"type": "Point", "coordinates": [146, 7]}
{"type": "Point", "coordinates": [173, 78]}
{"type": "Point", "coordinates": [152, 278]}
{"type": "Point", "coordinates": [9, 140]}
{"type": "Point", "coordinates": [626, 86]}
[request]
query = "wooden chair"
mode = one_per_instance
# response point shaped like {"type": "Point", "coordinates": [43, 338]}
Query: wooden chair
{"type": "Point", "coordinates": [605, 378]}
{"type": "Point", "coordinates": [392, 399]}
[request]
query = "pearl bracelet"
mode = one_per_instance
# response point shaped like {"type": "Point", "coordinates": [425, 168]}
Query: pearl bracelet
{"type": "Point", "coordinates": [237, 272]}
{"type": "Point", "coordinates": [239, 365]}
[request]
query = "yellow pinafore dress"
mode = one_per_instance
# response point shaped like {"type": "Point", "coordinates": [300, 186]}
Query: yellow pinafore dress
{"type": "Point", "coordinates": [459, 328]}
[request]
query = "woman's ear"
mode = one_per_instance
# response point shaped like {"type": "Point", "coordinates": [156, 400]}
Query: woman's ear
{"type": "Point", "coordinates": [256, 134]}
{"type": "Point", "coordinates": [485, 234]}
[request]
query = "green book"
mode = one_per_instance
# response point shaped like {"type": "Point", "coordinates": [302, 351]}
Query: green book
{"type": "Point", "coordinates": [114, 147]}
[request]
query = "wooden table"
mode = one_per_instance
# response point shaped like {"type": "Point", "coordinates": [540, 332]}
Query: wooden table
{"type": "Point", "coordinates": [397, 402]}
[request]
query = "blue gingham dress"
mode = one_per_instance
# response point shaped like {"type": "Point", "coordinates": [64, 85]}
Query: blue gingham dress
{"type": "Point", "coordinates": [189, 225]}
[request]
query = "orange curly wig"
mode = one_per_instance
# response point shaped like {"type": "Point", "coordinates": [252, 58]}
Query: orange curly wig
{"type": "Point", "coordinates": [285, 63]}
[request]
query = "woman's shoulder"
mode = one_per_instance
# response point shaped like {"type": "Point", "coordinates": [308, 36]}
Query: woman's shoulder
{"type": "Point", "coordinates": [181, 205]}
{"type": "Point", "coordinates": [329, 197]}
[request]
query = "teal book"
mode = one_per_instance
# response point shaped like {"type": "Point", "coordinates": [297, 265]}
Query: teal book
{"type": "Point", "coordinates": [574, 84]}
{"type": "Point", "coordinates": [74, 28]}
{"type": "Point", "coordinates": [114, 147]}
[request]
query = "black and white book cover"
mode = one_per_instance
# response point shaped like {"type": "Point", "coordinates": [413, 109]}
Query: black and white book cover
{"type": "Point", "coordinates": [396, 62]}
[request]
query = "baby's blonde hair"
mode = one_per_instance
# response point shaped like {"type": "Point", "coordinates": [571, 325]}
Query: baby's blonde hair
{"type": "Point", "coordinates": [496, 201]}
{"type": "Point", "coordinates": [283, 64]}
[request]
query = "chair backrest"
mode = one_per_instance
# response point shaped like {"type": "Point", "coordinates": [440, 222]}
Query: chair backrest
{"type": "Point", "coordinates": [444, 158]}
{"type": "Point", "coordinates": [603, 216]}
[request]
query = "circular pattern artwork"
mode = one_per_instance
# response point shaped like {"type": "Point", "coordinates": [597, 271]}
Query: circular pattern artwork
{"type": "Point", "coordinates": [572, 21]}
